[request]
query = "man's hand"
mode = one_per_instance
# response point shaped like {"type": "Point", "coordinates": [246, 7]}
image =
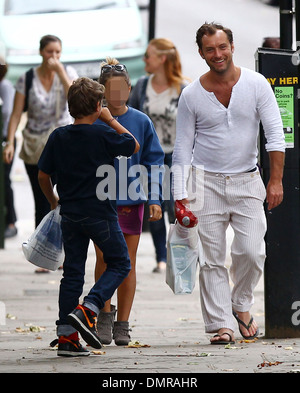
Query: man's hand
{"type": "Point", "coordinates": [274, 194]}
{"type": "Point", "coordinates": [274, 187]}
{"type": "Point", "coordinates": [184, 201]}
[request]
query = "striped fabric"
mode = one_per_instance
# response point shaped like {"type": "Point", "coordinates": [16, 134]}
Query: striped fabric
{"type": "Point", "coordinates": [235, 200]}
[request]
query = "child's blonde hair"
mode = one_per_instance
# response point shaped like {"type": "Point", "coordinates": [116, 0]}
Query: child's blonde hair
{"type": "Point", "coordinates": [104, 77]}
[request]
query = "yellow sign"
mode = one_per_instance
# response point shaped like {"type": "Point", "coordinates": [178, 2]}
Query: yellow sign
{"type": "Point", "coordinates": [289, 80]}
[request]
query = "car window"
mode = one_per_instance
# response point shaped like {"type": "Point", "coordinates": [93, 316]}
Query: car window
{"type": "Point", "coordinates": [20, 7]}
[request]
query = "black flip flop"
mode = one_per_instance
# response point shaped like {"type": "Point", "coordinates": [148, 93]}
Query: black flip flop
{"type": "Point", "coordinates": [222, 342]}
{"type": "Point", "coordinates": [246, 326]}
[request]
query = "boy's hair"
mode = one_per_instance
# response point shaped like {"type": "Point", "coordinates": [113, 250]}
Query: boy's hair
{"type": "Point", "coordinates": [211, 29]}
{"type": "Point", "coordinates": [83, 97]}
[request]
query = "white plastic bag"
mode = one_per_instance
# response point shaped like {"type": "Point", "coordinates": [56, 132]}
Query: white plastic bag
{"type": "Point", "coordinates": [183, 250]}
{"type": "Point", "coordinates": [44, 248]}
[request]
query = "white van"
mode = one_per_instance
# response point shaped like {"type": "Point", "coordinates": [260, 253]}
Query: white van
{"type": "Point", "coordinates": [90, 31]}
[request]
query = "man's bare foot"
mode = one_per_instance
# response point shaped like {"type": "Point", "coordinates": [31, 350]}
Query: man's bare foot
{"type": "Point", "coordinates": [223, 336]}
{"type": "Point", "coordinates": [252, 329]}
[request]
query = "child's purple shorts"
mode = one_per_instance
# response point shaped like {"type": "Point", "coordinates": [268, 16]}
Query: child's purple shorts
{"type": "Point", "coordinates": [131, 218]}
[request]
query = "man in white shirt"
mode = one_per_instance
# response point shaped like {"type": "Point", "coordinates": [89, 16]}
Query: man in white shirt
{"type": "Point", "coordinates": [217, 128]}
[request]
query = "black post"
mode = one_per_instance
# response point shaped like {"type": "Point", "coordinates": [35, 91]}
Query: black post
{"type": "Point", "coordinates": [1, 185]}
{"type": "Point", "coordinates": [286, 23]}
{"type": "Point", "coordinates": [282, 268]}
{"type": "Point", "coordinates": [152, 10]}
{"type": "Point", "coordinates": [297, 13]}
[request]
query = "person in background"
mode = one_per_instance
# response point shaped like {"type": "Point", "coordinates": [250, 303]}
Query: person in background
{"type": "Point", "coordinates": [7, 93]}
{"type": "Point", "coordinates": [115, 78]}
{"type": "Point", "coordinates": [157, 95]}
{"type": "Point", "coordinates": [49, 88]}
{"type": "Point", "coordinates": [46, 106]}
{"type": "Point", "coordinates": [271, 42]}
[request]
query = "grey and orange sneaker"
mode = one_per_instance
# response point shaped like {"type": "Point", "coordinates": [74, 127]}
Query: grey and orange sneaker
{"type": "Point", "coordinates": [84, 321]}
{"type": "Point", "coordinates": [69, 346]}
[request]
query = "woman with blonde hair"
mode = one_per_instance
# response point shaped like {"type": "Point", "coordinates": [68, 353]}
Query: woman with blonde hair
{"type": "Point", "coordinates": [157, 95]}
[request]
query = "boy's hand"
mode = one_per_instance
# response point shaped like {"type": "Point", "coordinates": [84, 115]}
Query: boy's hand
{"type": "Point", "coordinates": [105, 115]}
{"type": "Point", "coordinates": [54, 203]}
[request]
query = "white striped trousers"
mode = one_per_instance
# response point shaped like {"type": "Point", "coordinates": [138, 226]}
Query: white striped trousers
{"type": "Point", "coordinates": [235, 200]}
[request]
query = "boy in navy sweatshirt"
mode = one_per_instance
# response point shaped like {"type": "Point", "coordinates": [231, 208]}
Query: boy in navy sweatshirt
{"type": "Point", "coordinates": [74, 153]}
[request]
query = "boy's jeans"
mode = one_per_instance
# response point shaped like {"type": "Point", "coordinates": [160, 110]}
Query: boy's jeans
{"type": "Point", "coordinates": [107, 235]}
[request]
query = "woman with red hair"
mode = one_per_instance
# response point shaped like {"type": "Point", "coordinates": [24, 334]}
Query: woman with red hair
{"type": "Point", "coordinates": [157, 95]}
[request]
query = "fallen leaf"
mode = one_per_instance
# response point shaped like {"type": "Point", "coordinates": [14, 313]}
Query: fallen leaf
{"type": "Point", "coordinates": [31, 328]}
{"type": "Point", "coordinates": [10, 316]}
{"type": "Point", "coordinates": [98, 352]}
{"type": "Point", "coordinates": [248, 341]}
{"type": "Point", "coordinates": [137, 344]}
{"type": "Point", "coordinates": [202, 355]}
{"type": "Point", "coordinates": [228, 346]}
{"type": "Point", "coordinates": [20, 330]}
{"type": "Point", "coordinates": [35, 329]}
{"type": "Point", "coordinates": [268, 364]}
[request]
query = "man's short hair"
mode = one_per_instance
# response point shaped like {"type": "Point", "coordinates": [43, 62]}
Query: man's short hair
{"type": "Point", "coordinates": [83, 97]}
{"type": "Point", "coordinates": [211, 29]}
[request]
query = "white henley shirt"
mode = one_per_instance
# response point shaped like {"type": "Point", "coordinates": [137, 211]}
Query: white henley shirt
{"type": "Point", "coordinates": [220, 139]}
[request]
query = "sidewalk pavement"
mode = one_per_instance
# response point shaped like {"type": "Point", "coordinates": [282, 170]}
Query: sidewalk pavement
{"type": "Point", "coordinates": [168, 328]}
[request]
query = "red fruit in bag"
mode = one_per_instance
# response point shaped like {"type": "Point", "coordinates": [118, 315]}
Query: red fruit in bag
{"type": "Point", "coordinates": [184, 216]}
